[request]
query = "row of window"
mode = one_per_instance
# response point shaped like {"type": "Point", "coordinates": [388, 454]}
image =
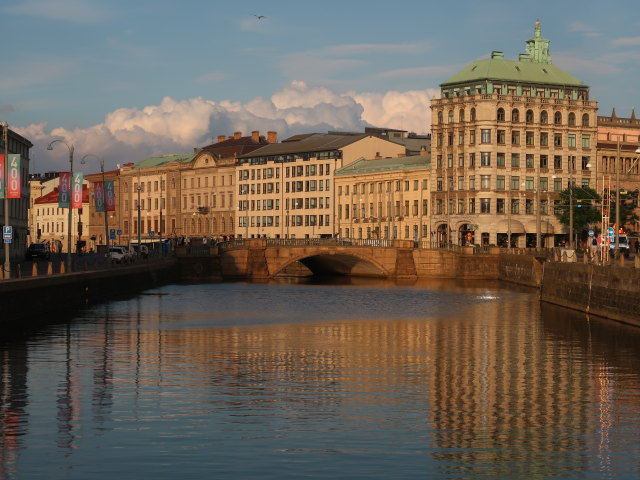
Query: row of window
{"type": "Point", "coordinates": [515, 117]}
{"type": "Point", "coordinates": [499, 205]}
{"type": "Point", "coordinates": [397, 185]}
{"type": "Point", "coordinates": [395, 209]}
{"type": "Point", "coordinates": [515, 183]}
{"type": "Point", "coordinates": [289, 220]}
{"type": "Point", "coordinates": [386, 233]}
{"type": "Point", "coordinates": [296, 171]}
{"type": "Point", "coordinates": [545, 139]}
{"type": "Point", "coordinates": [293, 204]}
{"type": "Point", "coordinates": [292, 157]}
{"type": "Point", "coordinates": [544, 161]}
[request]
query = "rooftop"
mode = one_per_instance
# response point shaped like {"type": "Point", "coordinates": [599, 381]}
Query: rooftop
{"type": "Point", "coordinates": [363, 166]}
{"type": "Point", "coordinates": [306, 143]}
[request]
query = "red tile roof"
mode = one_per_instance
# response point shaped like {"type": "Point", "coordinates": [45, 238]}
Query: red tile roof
{"type": "Point", "coordinates": [52, 197]}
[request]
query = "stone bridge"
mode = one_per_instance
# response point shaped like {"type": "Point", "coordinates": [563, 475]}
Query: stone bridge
{"type": "Point", "coordinates": [398, 259]}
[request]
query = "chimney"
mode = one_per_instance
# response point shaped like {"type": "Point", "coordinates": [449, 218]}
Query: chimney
{"type": "Point", "coordinates": [272, 137]}
{"type": "Point", "coordinates": [255, 136]}
{"type": "Point", "coordinates": [221, 138]}
{"type": "Point", "coordinates": [237, 135]}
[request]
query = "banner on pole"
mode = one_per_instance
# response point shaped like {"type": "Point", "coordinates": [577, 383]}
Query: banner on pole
{"type": "Point", "coordinates": [2, 175]}
{"type": "Point", "coordinates": [76, 192]}
{"type": "Point", "coordinates": [109, 196]}
{"type": "Point", "coordinates": [98, 195]}
{"type": "Point", "coordinates": [13, 172]}
{"type": "Point", "coordinates": [64, 190]}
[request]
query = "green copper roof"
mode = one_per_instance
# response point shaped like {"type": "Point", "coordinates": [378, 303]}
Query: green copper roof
{"type": "Point", "coordinates": [533, 67]}
{"type": "Point", "coordinates": [363, 166]}
{"type": "Point", "coordinates": [158, 161]}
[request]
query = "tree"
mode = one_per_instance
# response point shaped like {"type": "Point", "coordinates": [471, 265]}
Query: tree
{"type": "Point", "coordinates": [585, 207]}
{"type": "Point", "coordinates": [628, 205]}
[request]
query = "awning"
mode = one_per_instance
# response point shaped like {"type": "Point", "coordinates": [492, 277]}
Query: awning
{"type": "Point", "coordinates": [516, 226]}
{"type": "Point", "coordinates": [546, 228]}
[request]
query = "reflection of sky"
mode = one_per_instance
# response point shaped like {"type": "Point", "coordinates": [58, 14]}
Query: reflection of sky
{"type": "Point", "coordinates": [243, 304]}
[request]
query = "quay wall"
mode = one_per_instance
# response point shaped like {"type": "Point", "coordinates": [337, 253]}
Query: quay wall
{"type": "Point", "coordinates": [31, 302]}
{"type": "Point", "coordinates": [520, 269]}
{"type": "Point", "coordinates": [607, 291]}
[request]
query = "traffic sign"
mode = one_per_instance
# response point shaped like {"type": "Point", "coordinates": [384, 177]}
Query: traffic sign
{"type": "Point", "coordinates": [112, 233]}
{"type": "Point", "coordinates": [119, 232]}
{"type": "Point", "coordinates": [591, 233]}
{"type": "Point", "coordinates": [7, 233]}
{"type": "Point", "coordinates": [152, 233]}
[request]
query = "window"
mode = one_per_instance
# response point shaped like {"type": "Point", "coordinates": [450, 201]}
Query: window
{"type": "Point", "coordinates": [439, 184]}
{"type": "Point", "coordinates": [461, 137]}
{"type": "Point", "coordinates": [450, 139]}
{"type": "Point", "coordinates": [544, 117]}
{"type": "Point", "coordinates": [515, 137]}
{"type": "Point", "coordinates": [501, 137]}
{"type": "Point", "coordinates": [472, 182]}
{"type": "Point", "coordinates": [485, 182]}
{"type": "Point", "coordinates": [529, 160]}
{"type": "Point", "coordinates": [572, 119]}
{"type": "Point", "coordinates": [472, 160]}
{"type": "Point", "coordinates": [557, 184]}
{"type": "Point", "coordinates": [571, 140]}
{"type": "Point", "coordinates": [485, 135]}
{"type": "Point", "coordinates": [557, 162]}
{"type": "Point", "coordinates": [472, 137]}
{"type": "Point", "coordinates": [529, 138]}
{"type": "Point", "coordinates": [460, 183]}
{"type": "Point", "coordinates": [472, 205]}
{"type": "Point", "coordinates": [473, 114]}
{"type": "Point", "coordinates": [500, 205]}
{"type": "Point", "coordinates": [515, 160]}
{"type": "Point", "coordinates": [440, 117]}
{"type": "Point", "coordinates": [544, 207]}
{"type": "Point", "coordinates": [485, 159]}
{"type": "Point", "coordinates": [485, 205]}
{"type": "Point", "coordinates": [439, 139]}
{"type": "Point", "coordinates": [557, 139]}
{"type": "Point", "coordinates": [529, 116]}
{"type": "Point", "coordinates": [500, 182]}
{"type": "Point", "coordinates": [585, 183]}
{"type": "Point", "coordinates": [515, 183]}
{"type": "Point", "coordinates": [529, 185]}
{"type": "Point", "coordinates": [450, 160]}
{"type": "Point", "coordinates": [460, 206]}
{"type": "Point", "coordinates": [439, 161]}
{"type": "Point", "coordinates": [461, 160]}
{"type": "Point", "coordinates": [544, 139]}
{"type": "Point", "coordinates": [500, 159]}
{"type": "Point", "coordinates": [544, 161]}
{"type": "Point", "coordinates": [557, 118]}
{"type": "Point", "coordinates": [585, 163]}
{"type": "Point", "coordinates": [515, 205]}
{"type": "Point", "coordinates": [585, 120]}
{"type": "Point", "coordinates": [501, 114]}
{"type": "Point", "coordinates": [585, 141]}
{"type": "Point", "coordinates": [461, 115]}
{"type": "Point", "coordinates": [528, 206]}
{"type": "Point", "coordinates": [450, 116]}
{"type": "Point", "coordinates": [544, 184]}
{"type": "Point", "coordinates": [515, 115]}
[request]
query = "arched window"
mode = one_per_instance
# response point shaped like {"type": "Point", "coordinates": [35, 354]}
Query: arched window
{"type": "Point", "coordinates": [515, 115]}
{"type": "Point", "coordinates": [501, 114]}
{"type": "Point", "coordinates": [557, 118]}
{"type": "Point", "coordinates": [231, 224]}
{"type": "Point", "coordinates": [440, 118]}
{"type": "Point", "coordinates": [222, 225]}
{"type": "Point", "coordinates": [572, 119]}
{"type": "Point", "coordinates": [450, 116]}
{"type": "Point", "coordinates": [529, 116]}
{"type": "Point", "coordinates": [473, 115]}
{"type": "Point", "coordinates": [461, 115]}
{"type": "Point", "coordinates": [585, 120]}
{"type": "Point", "coordinates": [544, 117]}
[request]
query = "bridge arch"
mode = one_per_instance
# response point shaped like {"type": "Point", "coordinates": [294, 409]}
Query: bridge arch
{"type": "Point", "coordinates": [325, 261]}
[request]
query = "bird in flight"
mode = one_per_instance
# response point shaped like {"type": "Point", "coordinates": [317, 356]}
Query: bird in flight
{"type": "Point", "coordinates": [259, 17]}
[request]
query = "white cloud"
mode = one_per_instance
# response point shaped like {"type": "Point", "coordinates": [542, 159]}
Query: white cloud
{"type": "Point", "coordinates": [79, 11]}
{"type": "Point", "coordinates": [626, 42]}
{"type": "Point", "coordinates": [177, 126]}
{"type": "Point", "coordinates": [584, 28]}
{"type": "Point", "coordinates": [211, 77]}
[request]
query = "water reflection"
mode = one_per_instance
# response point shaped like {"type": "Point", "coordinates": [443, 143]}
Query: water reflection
{"type": "Point", "coordinates": [272, 381]}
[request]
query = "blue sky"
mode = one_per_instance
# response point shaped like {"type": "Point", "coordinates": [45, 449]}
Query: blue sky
{"type": "Point", "coordinates": [130, 79]}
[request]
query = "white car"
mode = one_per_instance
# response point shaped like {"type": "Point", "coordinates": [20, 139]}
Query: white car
{"type": "Point", "coordinates": [119, 255]}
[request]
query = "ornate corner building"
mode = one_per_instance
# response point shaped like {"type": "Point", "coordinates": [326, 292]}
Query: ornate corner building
{"type": "Point", "coordinates": [507, 137]}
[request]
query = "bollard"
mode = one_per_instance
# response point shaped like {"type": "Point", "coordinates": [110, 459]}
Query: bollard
{"type": "Point", "coordinates": [564, 257]}
{"type": "Point", "coordinates": [585, 257]}
{"type": "Point", "coordinates": [18, 271]}
{"type": "Point", "coordinates": [636, 261]}
{"type": "Point", "coordinates": [49, 268]}
{"type": "Point", "coordinates": [621, 260]}
{"type": "Point", "coordinates": [34, 269]}
{"type": "Point", "coordinates": [61, 266]}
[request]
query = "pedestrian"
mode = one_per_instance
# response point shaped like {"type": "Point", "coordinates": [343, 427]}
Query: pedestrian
{"type": "Point", "coordinates": [593, 247]}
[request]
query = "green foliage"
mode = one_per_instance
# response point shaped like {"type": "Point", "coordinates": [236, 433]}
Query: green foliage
{"type": "Point", "coordinates": [586, 203]}
{"type": "Point", "coordinates": [628, 204]}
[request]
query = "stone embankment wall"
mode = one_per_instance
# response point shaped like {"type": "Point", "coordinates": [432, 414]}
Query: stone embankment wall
{"type": "Point", "coordinates": [607, 291]}
{"type": "Point", "coordinates": [520, 269]}
{"type": "Point", "coordinates": [31, 302]}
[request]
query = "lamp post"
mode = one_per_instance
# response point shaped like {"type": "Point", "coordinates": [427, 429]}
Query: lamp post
{"type": "Point", "coordinates": [5, 174]}
{"type": "Point", "coordinates": [70, 217]}
{"type": "Point", "coordinates": [104, 199]}
{"type": "Point", "coordinates": [571, 206]}
{"type": "Point", "coordinates": [139, 188]}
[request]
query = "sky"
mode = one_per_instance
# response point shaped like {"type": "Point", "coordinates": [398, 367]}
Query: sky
{"type": "Point", "coordinates": [129, 79]}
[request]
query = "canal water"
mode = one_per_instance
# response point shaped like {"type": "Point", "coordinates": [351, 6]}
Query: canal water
{"type": "Point", "coordinates": [364, 380]}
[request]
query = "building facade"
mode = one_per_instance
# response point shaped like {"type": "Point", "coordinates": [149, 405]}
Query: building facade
{"type": "Point", "coordinates": [507, 137]}
{"type": "Point", "coordinates": [18, 207]}
{"type": "Point", "coordinates": [285, 190]}
{"type": "Point", "coordinates": [384, 198]}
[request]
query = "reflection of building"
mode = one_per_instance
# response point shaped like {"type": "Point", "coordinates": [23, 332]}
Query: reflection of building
{"type": "Point", "coordinates": [95, 228]}
{"type": "Point", "coordinates": [384, 198]}
{"type": "Point", "coordinates": [507, 137]}
{"type": "Point", "coordinates": [625, 132]}
{"type": "Point", "coordinates": [285, 189]}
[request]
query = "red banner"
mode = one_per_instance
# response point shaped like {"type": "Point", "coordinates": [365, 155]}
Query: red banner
{"type": "Point", "coordinates": [76, 190]}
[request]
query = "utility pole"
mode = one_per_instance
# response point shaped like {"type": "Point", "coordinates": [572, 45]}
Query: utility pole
{"type": "Point", "coordinates": [5, 201]}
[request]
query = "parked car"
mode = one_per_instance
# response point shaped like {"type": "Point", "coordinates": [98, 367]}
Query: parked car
{"type": "Point", "coordinates": [119, 255]}
{"type": "Point", "coordinates": [37, 250]}
{"type": "Point", "coordinates": [144, 250]}
{"type": "Point", "coordinates": [131, 252]}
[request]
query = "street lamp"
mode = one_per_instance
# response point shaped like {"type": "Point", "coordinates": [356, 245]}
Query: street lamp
{"type": "Point", "coordinates": [7, 253]}
{"type": "Point", "coordinates": [70, 217]}
{"type": "Point", "coordinates": [104, 196]}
